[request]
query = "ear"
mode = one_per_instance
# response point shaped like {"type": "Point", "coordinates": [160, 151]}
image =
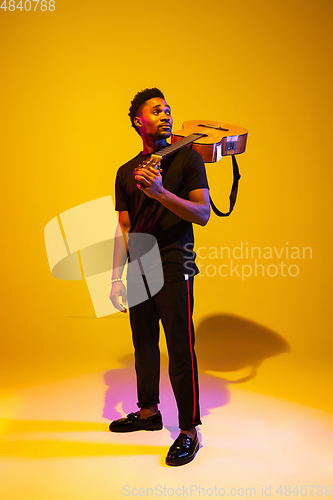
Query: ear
{"type": "Point", "coordinates": [137, 121]}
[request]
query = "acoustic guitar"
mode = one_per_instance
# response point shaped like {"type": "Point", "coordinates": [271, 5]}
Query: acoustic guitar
{"type": "Point", "coordinates": [211, 139]}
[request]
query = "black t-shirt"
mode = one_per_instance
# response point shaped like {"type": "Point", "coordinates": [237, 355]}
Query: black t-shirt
{"type": "Point", "coordinates": [182, 172]}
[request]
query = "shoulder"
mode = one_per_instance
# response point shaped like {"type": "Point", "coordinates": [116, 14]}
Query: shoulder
{"type": "Point", "coordinates": [129, 166]}
{"type": "Point", "coordinates": [191, 161]}
{"type": "Point", "coordinates": [136, 159]}
{"type": "Point", "coordinates": [193, 170]}
{"type": "Point", "coordinates": [190, 156]}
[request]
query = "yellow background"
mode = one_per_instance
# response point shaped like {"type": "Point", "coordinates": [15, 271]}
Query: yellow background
{"type": "Point", "coordinates": [67, 78]}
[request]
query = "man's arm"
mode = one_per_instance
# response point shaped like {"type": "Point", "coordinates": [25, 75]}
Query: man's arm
{"type": "Point", "coordinates": [118, 294]}
{"type": "Point", "coordinates": [196, 209]}
{"type": "Point", "coordinates": [120, 244]}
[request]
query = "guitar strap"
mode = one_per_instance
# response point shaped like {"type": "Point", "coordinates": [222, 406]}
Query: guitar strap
{"type": "Point", "coordinates": [234, 189]}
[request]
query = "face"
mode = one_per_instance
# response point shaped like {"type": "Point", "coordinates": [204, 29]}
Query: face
{"type": "Point", "coordinates": [154, 119]}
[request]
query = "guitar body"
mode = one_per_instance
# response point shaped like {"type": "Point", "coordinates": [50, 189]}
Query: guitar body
{"type": "Point", "coordinates": [220, 138]}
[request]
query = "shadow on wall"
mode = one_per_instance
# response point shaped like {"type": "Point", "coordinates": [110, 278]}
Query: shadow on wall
{"type": "Point", "coordinates": [224, 343]}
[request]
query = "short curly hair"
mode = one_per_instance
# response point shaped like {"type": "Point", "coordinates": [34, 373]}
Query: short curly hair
{"type": "Point", "coordinates": [139, 99]}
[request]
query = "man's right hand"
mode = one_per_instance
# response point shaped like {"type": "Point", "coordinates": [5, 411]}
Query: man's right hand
{"type": "Point", "coordinates": [118, 296]}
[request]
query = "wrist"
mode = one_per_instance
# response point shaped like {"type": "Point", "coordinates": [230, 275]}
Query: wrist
{"type": "Point", "coordinates": [162, 195]}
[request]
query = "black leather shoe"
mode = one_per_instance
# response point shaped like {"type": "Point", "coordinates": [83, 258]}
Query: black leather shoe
{"type": "Point", "coordinates": [183, 450]}
{"type": "Point", "coordinates": [133, 422]}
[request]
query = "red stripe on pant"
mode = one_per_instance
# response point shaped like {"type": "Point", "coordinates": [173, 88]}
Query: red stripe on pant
{"type": "Point", "coordinates": [191, 348]}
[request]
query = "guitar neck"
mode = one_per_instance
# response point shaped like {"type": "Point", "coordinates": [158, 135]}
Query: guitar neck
{"type": "Point", "coordinates": [185, 141]}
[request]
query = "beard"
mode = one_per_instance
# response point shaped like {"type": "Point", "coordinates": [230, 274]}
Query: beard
{"type": "Point", "coordinates": [163, 133]}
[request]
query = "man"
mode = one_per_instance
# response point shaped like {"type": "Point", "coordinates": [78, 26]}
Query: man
{"type": "Point", "coordinates": [163, 203]}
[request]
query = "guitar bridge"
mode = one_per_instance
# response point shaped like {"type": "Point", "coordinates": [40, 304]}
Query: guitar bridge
{"type": "Point", "coordinates": [216, 127]}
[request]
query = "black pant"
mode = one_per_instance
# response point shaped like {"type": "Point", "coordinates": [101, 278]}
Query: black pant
{"type": "Point", "coordinates": [173, 304]}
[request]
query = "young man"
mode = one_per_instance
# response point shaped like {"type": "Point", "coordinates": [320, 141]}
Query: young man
{"type": "Point", "coordinates": [163, 203]}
